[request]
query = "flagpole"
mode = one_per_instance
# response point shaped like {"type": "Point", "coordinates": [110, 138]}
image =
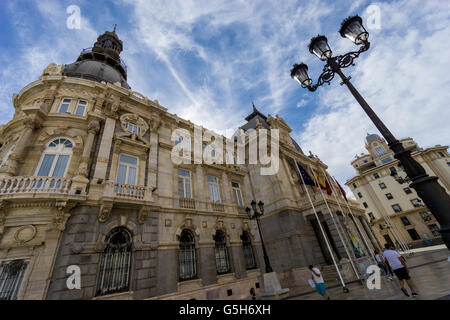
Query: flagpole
{"type": "Point", "coordinates": [362, 233]}
{"type": "Point", "coordinates": [320, 226]}
{"type": "Point", "coordinates": [343, 231]}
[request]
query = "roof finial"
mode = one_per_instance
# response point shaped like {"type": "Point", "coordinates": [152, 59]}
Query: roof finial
{"type": "Point", "coordinates": [254, 108]}
{"type": "Point", "coordinates": [115, 26]}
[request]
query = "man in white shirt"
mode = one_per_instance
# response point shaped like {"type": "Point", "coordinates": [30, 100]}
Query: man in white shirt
{"type": "Point", "coordinates": [318, 280]}
{"type": "Point", "coordinates": [398, 265]}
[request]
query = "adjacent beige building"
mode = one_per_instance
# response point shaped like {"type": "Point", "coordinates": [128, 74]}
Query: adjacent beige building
{"type": "Point", "coordinates": [396, 213]}
{"type": "Point", "coordinates": [87, 181]}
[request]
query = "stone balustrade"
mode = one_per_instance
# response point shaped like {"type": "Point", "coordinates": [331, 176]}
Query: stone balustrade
{"type": "Point", "coordinates": [16, 184]}
{"type": "Point", "coordinates": [187, 203]}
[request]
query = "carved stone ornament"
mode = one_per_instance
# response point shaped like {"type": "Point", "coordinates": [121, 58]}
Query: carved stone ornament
{"type": "Point", "coordinates": [104, 211]}
{"type": "Point", "coordinates": [137, 121]}
{"type": "Point", "coordinates": [143, 214]}
{"type": "Point", "coordinates": [53, 70]}
{"type": "Point", "coordinates": [25, 234]}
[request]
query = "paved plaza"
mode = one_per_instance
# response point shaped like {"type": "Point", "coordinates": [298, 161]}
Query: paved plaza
{"type": "Point", "coordinates": [429, 270]}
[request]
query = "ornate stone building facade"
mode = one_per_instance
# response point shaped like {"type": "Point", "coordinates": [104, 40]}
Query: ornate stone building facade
{"type": "Point", "coordinates": [394, 210]}
{"type": "Point", "coordinates": [87, 180]}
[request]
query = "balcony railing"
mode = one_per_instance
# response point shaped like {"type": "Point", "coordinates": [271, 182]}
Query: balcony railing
{"type": "Point", "coordinates": [129, 191]}
{"type": "Point", "coordinates": [122, 63]}
{"type": "Point", "coordinates": [218, 206]}
{"type": "Point", "coordinates": [15, 185]}
{"type": "Point", "coordinates": [187, 203]}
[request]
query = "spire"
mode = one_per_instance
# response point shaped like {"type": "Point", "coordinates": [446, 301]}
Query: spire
{"type": "Point", "coordinates": [115, 26]}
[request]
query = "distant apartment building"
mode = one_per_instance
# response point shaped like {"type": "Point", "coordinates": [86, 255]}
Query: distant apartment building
{"type": "Point", "coordinates": [396, 213]}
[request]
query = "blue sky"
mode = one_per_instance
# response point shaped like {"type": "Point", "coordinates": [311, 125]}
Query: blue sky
{"type": "Point", "coordinates": [203, 60]}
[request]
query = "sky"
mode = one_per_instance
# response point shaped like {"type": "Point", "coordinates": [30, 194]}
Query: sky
{"type": "Point", "coordinates": [206, 60]}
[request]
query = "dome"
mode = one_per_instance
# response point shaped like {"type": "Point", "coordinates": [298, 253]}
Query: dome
{"type": "Point", "coordinates": [372, 137]}
{"type": "Point", "coordinates": [95, 71]}
{"type": "Point", "coordinates": [101, 62]}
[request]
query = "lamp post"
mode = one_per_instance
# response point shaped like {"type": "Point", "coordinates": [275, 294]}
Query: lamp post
{"type": "Point", "coordinates": [433, 195]}
{"type": "Point", "coordinates": [256, 215]}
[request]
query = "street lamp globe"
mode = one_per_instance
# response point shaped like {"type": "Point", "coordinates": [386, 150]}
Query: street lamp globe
{"type": "Point", "coordinates": [249, 214]}
{"type": "Point", "coordinates": [319, 46]}
{"type": "Point", "coordinates": [299, 72]}
{"type": "Point", "coordinates": [352, 28]}
{"type": "Point", "coordinates": [261, 207]}
{"type": "Point", "coordinates": [253, 204]}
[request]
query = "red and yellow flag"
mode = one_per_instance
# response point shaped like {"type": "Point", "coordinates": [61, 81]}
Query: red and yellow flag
{"type": "Point", "coordinates": [324, 186]}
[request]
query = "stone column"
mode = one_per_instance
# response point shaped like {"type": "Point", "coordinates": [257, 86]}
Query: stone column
{"type": "Point", "coordinates": [105, 149]}
{"type": "Point", "coordinates": [11, 166]}
{"type": "Point", "coordinates": [226, 189]}
{"type": "Point", "coordinates": [153, 156]}
{"type": "Point", "coordinates": [81, 180]}
{"type": "Point", "coordinates": [201, 195]}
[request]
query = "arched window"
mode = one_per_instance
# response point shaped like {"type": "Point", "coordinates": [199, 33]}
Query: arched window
{"type": "Point", "coordinates": [115, 264]}
{"type": "Point", "coordinates": [222, 261]}
{"type": "Point", "coordinates": [248, 251]}
{"type": "Point", "coordinates": [186, 256]}
{"type": "Point", "coordinates": [55, 158]}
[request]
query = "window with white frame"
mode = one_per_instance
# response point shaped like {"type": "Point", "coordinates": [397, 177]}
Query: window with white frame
{"type": "Point", "coordinates": [11, 277]}
{"type": "Point", "coordinates": [237, 194]}
{"type": "Point", "coordinates": [213, 185]}
{"type": "Point", "coordinates": [64, 106]}
{"type": "Point", "coordinates": [55, 158]}
{"type": "Point", "coordinates": [127, 169]}
{"type": "Point", "coordinates": [133, 128]}
{"type": "Point", "coordinates": [81, 107]}
{"type": "Point", "coordinates": [184, 183]}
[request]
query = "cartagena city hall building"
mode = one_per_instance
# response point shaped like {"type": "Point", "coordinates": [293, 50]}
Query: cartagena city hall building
{"type": "Point", "coordinates": [87, 181]}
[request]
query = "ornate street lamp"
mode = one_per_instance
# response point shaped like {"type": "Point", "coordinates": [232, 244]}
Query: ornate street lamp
{"type": "Point", "coordinates": [256, 214]}
{"type": "Point", "coordinates": [433, 195]}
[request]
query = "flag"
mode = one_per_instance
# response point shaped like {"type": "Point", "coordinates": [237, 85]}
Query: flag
{"type": "Point", "coordinates": [342, 190]}
{"type": "Point", "coordinates": [324, 186]}
{"type": "Point", "coordinates": [329, 191]}
{"type": "Point", "coordinates": [306, 178]}
{"type": "Point", "coordinates": [321, 184]}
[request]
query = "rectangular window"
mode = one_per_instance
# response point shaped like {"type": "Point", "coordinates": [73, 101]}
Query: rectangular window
{"type": "Point", "coordinates": [371, 216]}
{"type": "Point", "coordinates": [11, 278]}
{"type": "Point", "coordinates": [426, 216]}
{"type": "Point", "coordinates": [396, 208]}
{"type": "Point", "coordinates": [393, 170]}
{"type": "Point", "coordinates": [184, 183]}
{"type": "Point", "coordinates": [405, 221]}
{"type": "Point", "coordinates": [389, 196]}
{"type": "Point", "coordinates": [382, 185]}
{"type": "Point", "coordinates": [213, 185]}
{"type": "Point", "coordinates": [413, 233]}
{"type": "Point", "coordinates": [354, 186]}
{"type": "Point", "coordinates": [376, 175]}
{"type": "Point", "coordinates": [434, 230]}
{"type": "Point", "coordinates": [441, 154]}
{"type": "Point", "coordinates": [380, 151]}
{"type": "Point", "coordinates": [64, 107]}
{"type": "Point", "coordinates": [127, 169]}
{"type": "Point", "coordinates": [133, 128]}
{"type": "Point", "coordinates": [386, 160]}
{"type": "Point", "coordinates": [237, 193]}
{"type": "Point", "coordinates": [416, 202]}
{"type": "Point", "coordinates": [365, 205]}
{"type": "Point", "coordinates": [360, 195]}
{"type": "Point", "coordinates": [81, 107]}
{"type": "Point", "coordinates": [407, 190]}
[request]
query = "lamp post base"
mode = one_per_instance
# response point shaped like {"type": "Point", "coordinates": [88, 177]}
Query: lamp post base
{"type": "Point", "coordinates": [272, 288]}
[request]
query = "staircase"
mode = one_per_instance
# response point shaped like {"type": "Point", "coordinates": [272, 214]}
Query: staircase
{"type": "Point", "coordinates": [330, 275]}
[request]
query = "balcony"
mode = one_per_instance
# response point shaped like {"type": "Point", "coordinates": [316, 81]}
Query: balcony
{"type": "Point", "coordinates": [34, 185]}
{"type": "Point", "coordinates": [122, 191]}
{"type": "Point", "coordinates": [218, 206]}
{"type": "Point", "coordinates": [187, 203]}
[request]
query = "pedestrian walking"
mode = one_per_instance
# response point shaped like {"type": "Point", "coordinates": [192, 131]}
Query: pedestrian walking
{"type": "Point", "coordinates": [318, 280]}
{"type": "Point", "coordinates": [398, 265]}
{"type": "Point", "coordinates": [381, 262]}
{"type": "Point", "coordinates": [253, 293]}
